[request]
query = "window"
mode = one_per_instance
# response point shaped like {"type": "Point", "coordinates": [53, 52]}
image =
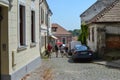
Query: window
{"type": "Point", "coordinates": [46, 19]}
{"type": "Point", "coordinates": [22, 25]}
{"type": "Point", "coordinates": [92, 34]}
{"type": "Point", "coordinates": [42, 16]}
{"type": "Point", "coordinates": [32, 26]}
{"type": "Point", "coordinates": [89, 33]}
{"type": "Point", "coordinates": [54, 29]}
{"type": "Point", "coordinates": [63, 40]}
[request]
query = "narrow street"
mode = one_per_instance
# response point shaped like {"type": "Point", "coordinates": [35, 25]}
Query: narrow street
{"type": "Point", "coordinates": [63, 69]}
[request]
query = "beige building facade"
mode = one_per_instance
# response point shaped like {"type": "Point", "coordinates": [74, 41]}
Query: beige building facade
{"type": "Point", "coordinates": [45, 28]}
{"type": "Point", "coordinates": [19, 38]}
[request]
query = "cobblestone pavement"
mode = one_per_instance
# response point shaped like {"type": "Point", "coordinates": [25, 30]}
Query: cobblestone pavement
{"type": "Point", "coordinates": [63, 69]}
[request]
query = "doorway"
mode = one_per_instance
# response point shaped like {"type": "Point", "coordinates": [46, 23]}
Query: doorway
{"type": "Point", "coordinates": [0, 38]}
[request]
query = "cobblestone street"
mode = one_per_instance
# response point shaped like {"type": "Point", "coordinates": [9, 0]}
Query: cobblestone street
{"type": "Point", "coordinates": [62, 69]}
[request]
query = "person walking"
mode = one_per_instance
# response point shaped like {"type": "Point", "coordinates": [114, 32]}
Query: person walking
{"type": "Point", "coordinates": [56, 50]}
{"type": "Point", "coordinates": [66, 50]}
{"type": "Point", "coordinates": [48, 51]}
{"type": "Point", "coordinates": [62, 51]}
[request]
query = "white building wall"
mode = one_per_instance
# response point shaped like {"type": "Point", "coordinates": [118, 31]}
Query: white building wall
{"type": "Point", "coordinates": [92, 44]}
{"type": "Point", "coordinates": [113, 30]}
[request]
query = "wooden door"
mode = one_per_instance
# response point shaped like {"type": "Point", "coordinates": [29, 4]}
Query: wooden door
{"type": "Point", "coordinates": [0, 38]}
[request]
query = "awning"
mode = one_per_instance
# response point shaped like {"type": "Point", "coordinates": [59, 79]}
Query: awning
{"type": "Point", "coordinates": [54, 37]}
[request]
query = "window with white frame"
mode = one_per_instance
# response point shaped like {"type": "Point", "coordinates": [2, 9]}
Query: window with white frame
{"type": "Point", "coordinates": [32, 26]}
{"type": "Point", "coordinates": [22, 25]}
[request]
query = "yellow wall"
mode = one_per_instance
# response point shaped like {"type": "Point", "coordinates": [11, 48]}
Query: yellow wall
{"type": "Point", "coordinates": [19, 59]}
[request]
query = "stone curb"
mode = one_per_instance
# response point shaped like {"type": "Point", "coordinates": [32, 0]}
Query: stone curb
{"type": "Point", "coordinates": [109, 64]}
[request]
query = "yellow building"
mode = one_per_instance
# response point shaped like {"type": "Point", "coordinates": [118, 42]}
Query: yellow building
{"type": "Point", "coordinates": [19, 38]}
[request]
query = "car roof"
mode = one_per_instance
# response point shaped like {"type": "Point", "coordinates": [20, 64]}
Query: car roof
{"type": "Point", "coordinates": [80, 47]}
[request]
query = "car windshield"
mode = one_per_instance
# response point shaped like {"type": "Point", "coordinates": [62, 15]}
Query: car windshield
{"type": "Point", "coordinates": [80, 47]}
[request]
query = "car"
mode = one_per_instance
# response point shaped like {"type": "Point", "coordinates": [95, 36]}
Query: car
{"type": "Point", "coordinates": [82, 52]}
{"type": "Point", "coordinates": [71, 46]}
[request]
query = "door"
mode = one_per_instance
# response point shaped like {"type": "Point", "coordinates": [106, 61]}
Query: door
{"type": "Point", "coordinates": [101, 43]}
{"type": "Point", "coordinates": [0, 38]}
{"type": "Point", "coordinates": [112, 42]}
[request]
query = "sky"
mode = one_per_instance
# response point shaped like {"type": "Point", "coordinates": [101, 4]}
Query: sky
{"type": "Point", "coordinates": [67, 12]}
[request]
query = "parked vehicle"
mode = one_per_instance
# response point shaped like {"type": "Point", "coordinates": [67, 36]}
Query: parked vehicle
{"type": "Point", "coordinates": [82, 52]}
{"type": "Point", "coordinates": [72, 46]}
{"type": "Point", "coordinates": [73, 43]}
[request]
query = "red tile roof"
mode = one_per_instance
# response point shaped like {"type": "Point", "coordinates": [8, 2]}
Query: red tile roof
{"type": "Point", "coordinates": [60, 30]}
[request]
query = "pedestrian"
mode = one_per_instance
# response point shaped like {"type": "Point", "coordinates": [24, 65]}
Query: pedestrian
{"type": "Point", "coordinates": [66, 50]}
{"type": "Point", "coordinates": [60, 48]}
{"type": "Point", "coordinates": [62, 51]}
{"type": "Point", "coordinates": [48, 51]}
{"type": "Point", "coordinates": [56, 50]}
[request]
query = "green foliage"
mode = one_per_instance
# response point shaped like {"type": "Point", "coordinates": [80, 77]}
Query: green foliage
{"type": "Point", "coordinates": [84, 34]}
{"type": "Point", "coordinates": [75, 32]}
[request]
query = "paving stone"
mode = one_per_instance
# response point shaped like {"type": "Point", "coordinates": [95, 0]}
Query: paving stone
{"type": "Point", "coordinates": [62, 69]}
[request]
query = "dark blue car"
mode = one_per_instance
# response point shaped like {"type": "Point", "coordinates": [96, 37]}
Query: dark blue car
{"type": "Point", "coordinates": [82, 52]}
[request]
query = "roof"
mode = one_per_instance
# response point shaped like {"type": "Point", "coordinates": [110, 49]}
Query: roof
{"type": "Point", "coordinates": [97, 8]}
{"type": "Point", "coordinates": [60, 30]}
{"type": "Point", "coordinates": [46, 3]}
{"type": "Point", "coordinates": [110, 14]}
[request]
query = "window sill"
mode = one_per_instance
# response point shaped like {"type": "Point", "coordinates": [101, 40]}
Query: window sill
{"type": "Point", "coordinates": [22, 48]}
{"type": "Point", "coordinates": [33, 44]}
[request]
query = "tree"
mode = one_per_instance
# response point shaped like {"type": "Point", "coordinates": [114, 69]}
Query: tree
{"type": "Point", "coordinates": [84, 34]}
{"type": "Point", "coordinates": [75, 32]}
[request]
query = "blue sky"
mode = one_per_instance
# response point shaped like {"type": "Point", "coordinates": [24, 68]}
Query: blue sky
{"type": "Point", "coordinates": [66, 12]}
